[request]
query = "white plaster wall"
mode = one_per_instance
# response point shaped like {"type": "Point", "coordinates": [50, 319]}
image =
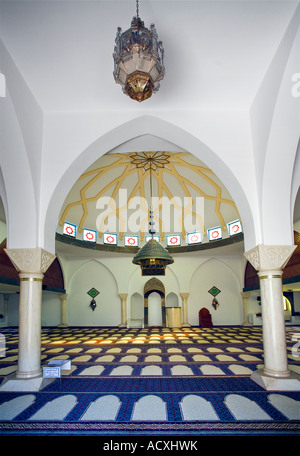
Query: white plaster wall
{"type": "Point", "coordinates": [13, 309]}
{"type": "Point", "coordinates": [215, 273]}
{"type": "Point", "coordinates": [136, 307]}
{"type": "Point", "coordinates": [108, 311]}
{"type": "Point", "coordinates": [277, 203]}
{"type": "Point", "coordinates": [203, 274]}
{"type": "Point", "coordinates": [18, 192]}
{"type": "Point", "coordinates": [51, 309]}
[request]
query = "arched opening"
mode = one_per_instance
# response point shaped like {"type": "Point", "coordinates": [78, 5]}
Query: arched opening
{"type": "Point", "coordinates": [136, 309]}
{"type": "Point", "coordinates": [93, 274]}
{"type": "Point", "coordinates": [163, 131]}
{"type": "Point", "coordinates": [172, 300]}
{"type": "Point", "coordinates": [215, 273]}
{"type": "Point", "coordinates": [154, 303]}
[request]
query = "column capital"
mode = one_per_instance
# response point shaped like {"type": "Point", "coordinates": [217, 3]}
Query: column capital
{"type": "Point", "coordinates": [123, 296]}
{"type": "Point", "coordinates": [245, 294]}
{"type": "Point", "coordinates": [63, 296]}
{"type": "Point", "coordinates": [264, 257]}
{"type": "Point", "coordinates": [184, 295]}
{"type": "Point", "coordinates": [35, 261]}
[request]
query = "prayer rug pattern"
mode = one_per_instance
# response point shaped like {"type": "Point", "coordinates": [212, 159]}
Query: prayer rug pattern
{"type": "Point", "coordinates": [182, 381]}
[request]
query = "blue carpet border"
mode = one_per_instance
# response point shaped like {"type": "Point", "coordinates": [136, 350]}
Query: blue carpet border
{"type": "Point", "coordinates": [198, 428]}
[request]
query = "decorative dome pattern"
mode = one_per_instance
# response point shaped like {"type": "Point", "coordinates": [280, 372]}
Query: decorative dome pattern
{"type": "Point", "coordinates": [113, 195]}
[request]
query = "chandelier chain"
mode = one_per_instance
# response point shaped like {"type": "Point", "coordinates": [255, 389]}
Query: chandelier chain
{"type": "Point", "coordinates": [137, 9]}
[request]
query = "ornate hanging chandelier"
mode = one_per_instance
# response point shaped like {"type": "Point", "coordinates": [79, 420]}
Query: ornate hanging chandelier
{"type": "Point", "coordinates": [138, 59]}
{"type": "Point", "coordinates": [153, 258]}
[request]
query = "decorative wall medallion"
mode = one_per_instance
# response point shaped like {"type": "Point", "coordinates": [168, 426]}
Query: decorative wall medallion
{"type": "Point", "coordinates": [214, 291]}
{"type": "Point", "coordinates": [93, 292]}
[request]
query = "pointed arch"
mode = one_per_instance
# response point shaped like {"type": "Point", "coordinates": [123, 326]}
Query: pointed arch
{"type": "Point", "coordinates": [149, 408]}
{"type": "Point", "coordinates": [93, 274]}
{"type": "Point", "coordinates": [83, 265]}
{"type": "Point", "coordinates": [172, 300]}
{"type": "Point", "coordinates": [148, 125]}
{"type": "Point", "coordinates": [283, 135]}
{"type": "Point", "coordinates": [215, 272]}
{"type": "Point", "coordinates": [136, 307]}
{"type": "Point", "coordinates": [154, 284]}
{"type": "Point", "coordinates": [207, 260]}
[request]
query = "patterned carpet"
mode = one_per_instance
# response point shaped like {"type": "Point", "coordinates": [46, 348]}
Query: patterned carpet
{"type": "Point", "coordinates": [159, 381]}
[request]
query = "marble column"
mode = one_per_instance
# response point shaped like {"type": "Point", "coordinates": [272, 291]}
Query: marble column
{"type": "Point", "coordinates": [245, 297]}
{"type": "Point", "coordinates": [63, 308]}
{"type": "Point", "coordinates": [270, 261]}
{"type": "Point", "coordinates": [123, 297]}
{"type": "Point", "coordinates": [184, 297]}
{"type": "Point", "coordinates": [31, 264]}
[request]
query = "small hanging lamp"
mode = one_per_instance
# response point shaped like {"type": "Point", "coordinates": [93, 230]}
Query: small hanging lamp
{"type": "Point", "coordinates": [153, 257]}
{"type": "Point", "coordinates": [138, 59]}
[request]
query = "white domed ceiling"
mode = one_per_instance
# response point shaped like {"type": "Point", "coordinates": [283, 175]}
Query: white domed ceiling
{"type": "Point", "coordinates": [113, 195]}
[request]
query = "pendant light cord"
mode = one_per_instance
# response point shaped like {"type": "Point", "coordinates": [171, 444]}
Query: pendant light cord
{"type": "Point", "coordinates": [151, 194]}
{"type": "Point", "coordinates": [151, 222]}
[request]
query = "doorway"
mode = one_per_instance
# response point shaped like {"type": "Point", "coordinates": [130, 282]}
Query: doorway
{"type": "Point", "coordinates": [154, 303]}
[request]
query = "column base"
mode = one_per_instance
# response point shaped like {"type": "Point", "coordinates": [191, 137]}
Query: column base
{"type": "Point", "coordinates": [29, 375]}
{"type": "Point", "coordinates": [63, 325]}
{"type": "Point", "coordinates": [12, 383]}
{"type": "Point", "coordinates": [269, 383]}
{"type": "Point", "coordinates": [185, 325]}
{"type": "Point", "coordinates": [123, 325]}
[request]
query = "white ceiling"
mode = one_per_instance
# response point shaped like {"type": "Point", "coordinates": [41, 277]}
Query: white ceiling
{"type": "Point", "coordinates": [216, 52]}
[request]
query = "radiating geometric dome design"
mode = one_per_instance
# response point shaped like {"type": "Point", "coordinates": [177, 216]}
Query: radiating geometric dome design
{"type": "Point", "coordinates": [113, 195]}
